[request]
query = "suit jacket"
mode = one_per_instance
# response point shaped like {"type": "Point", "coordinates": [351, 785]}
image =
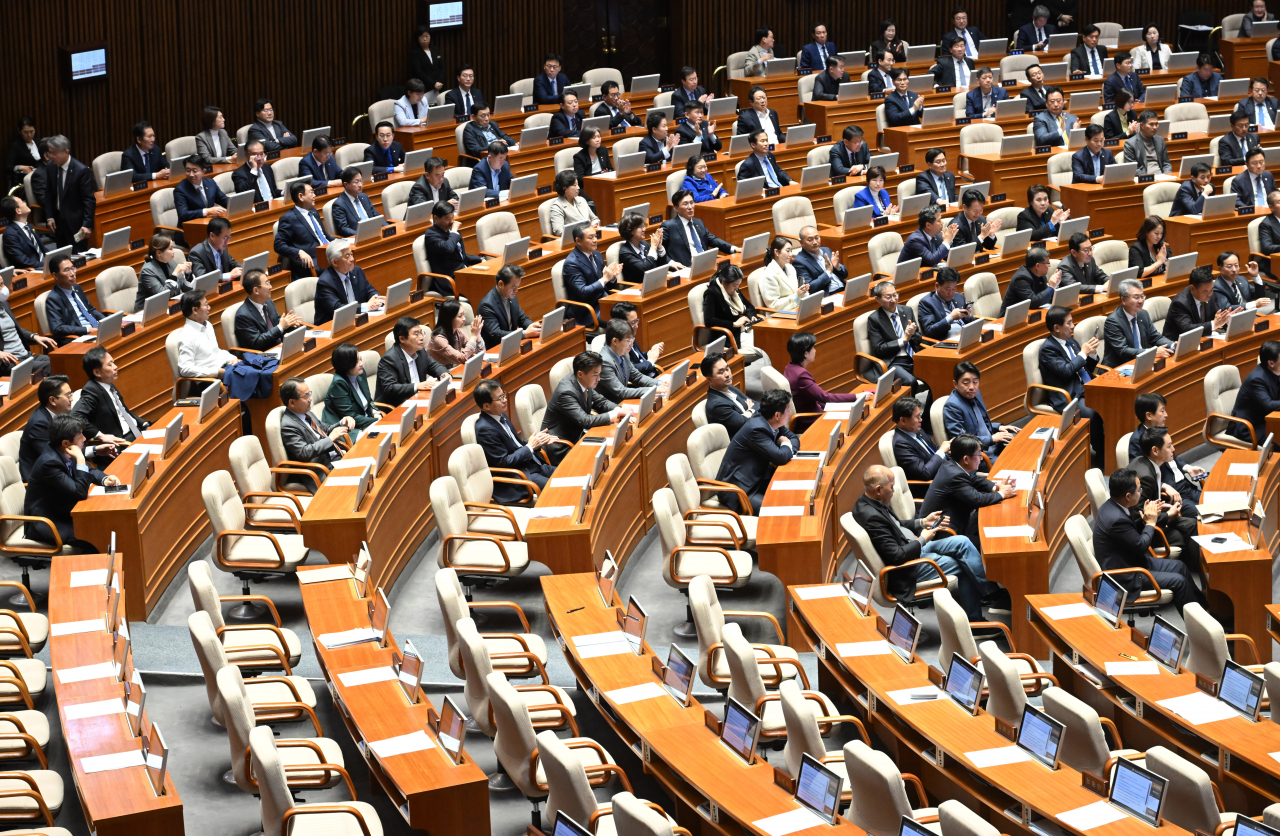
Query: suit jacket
{"type": "Point", "coordinates": [1117, 337]}
{"type": "Point", "coordinates": [1188, 200]}
{"type": "Point", "coordinates": [756, 58]}
{"type": "Point", "coordinates": [258, 130]}
{"type": "Point", "coordinates": [812, 271]}
{"type": "Point", "coordinates": [1035, 98]}
{"type": "Point", "coordinates": [259, 331]}
{"type": "Point", "coordinates": [1120, 541]}
{"type": "Point", "coordinates": [841, 160]}
{"type": "Point", "coordinates": [1269, 235]}
{"type": "Point", "coordinates": [933, 312]}
{"type": "Point", "coordinates": [1046, 129]}
{"type": "Point", "coordinates": [52, 491]}
{"type": "Point", "coordinates": [572, 411]}
{"type": "Point", "coordinates": [320, 173]}
{"type": "Point", "coordinates": [133, 158]}
{"type": "Point", "coordinates": [155, 277]}
{"type": "Point", "coordinates": [1242, 187]}
{"type": "Point", "coordinates": [78, 203]}
{"type": "Point", "coordinates": [944, 72]}
{"type": "Point", "coordinates": [186, 199]}
{"type": "Point", "coordinates": [959, 494]}
{"type": "Point", "coordinates": [98, 410]}
{"type": "Point", "coordinates": [1196, 87]}
{"type": "Point", "coordinates": [345, 216]}
{"type": "Point", "coordinates": [1082, 165]}
{"type": "Point", "coordinates": [951, 35]}
{"type": "Point", "coordinates": [19, 154]}
{"type": "Point", "coordinates": [421, 192]}
{"type": "Point", "coordinates": [919, 465]}
{"type": "Point", "coordinates": [897, 108]}
{"type": "Point", "coordinates": [1115, 83]}
{"type": "Point", "coordinates": [481, 178]}
{"type": "Point", "coordinates": [330, 294]}
{"type": "Point", "coordinates": [474, 142]}
{"type": "Point", "coordinates": [501, 450]}
{"type": "Point", "coordinates": [582, 163]}
{"type": "Point", "coordinates": [927, 183]}
{"type": "Point", "coordinates": [203, 260]}
{"type": "Point", "coordinates": [716, 312]}
{"type": "Point", "coordinates": [1112, 128]}
{"type": "Point", "coordinates": [19, 250]}
{"type": "Point", "coordinates": [885, 531]}
{"type": "Point", "coordinates": [826, 88]}
{"type": "Point", "coordinates": [653, 150]}
{"type": "Point", "coordinates": [930, 251]}
{"type": "Point", "coordinates": [404, 111]}
{"type": "Point", "coordinates": [753, 456]}
{"type": "Point", "coordinates": [548, 90]}
{"type": "Point", "coordinates": [395, 386]}
{"type": "Point", "coordinates": [1233, 294]}
{"type": "Point", "coordinates": [1026, 35]}
{"type": "Point", "coordinates": [961, 415]}
{"type": "Point", "coordinates": [971, 233]}
{"type": "Point", "coordinates": [1064, 371]}
{"type": "Point", "coordinates": [680, 96]}
{"type": "Point", "coordinates": [1040, 225]}
{"type": "Point", "coordinates": [753, 167]}
{"type": "Point", "coordinates": [1090, 277]}
{"type": "Point", "coordinates": [635, 265]}
{"type": "Point", "coordinates": [811, 55]}
{"type": "Point", "coordinates": [562, 125]}
{"type": "Point", "coordinates": [447, 256]}
{"type": "Point", "coordinates": [1246, 25]}
{"type": "Point", "coordinates": [342, 402]}
{"type": "Point", "coordinates": [617, 118]}
{"type": "Point", "coordinates": [245, 180]}
{"type": "Point", "coordinates": [584, 282]}
{"type": "Point", "coordinates": [226, 143]}
{"type": "Point", "coordinates": [296, 234]}
{"type": "Point", "coordinates": [677, 245]}
{"type": "Point", "coordinates": [749, 122]}
{"type": "Point", "coordinates": [1250, 107]}
{"type": "Point", "coordinates": [876, 82]}
{"type": "Point", "coordinates": [973, 101]}
{"type": "Point", "coordinates": [494, 314]}
{"type": "Point", "coordinates": [878, 202]}
{"type": "Point", "coordinates": [305, 443]}
{"type": "Point", "coordinates": [884, 340]}
{"type": "Point", "coordinates": [429, 69]}
{"type": "Point", "coordinates": [1150, 486]}
{"type": "Point", "coordinates": [708, 143]}
{"type": "Point", "coordinates": [64, 324]}
{"type": "Point", "coordinates": [34, 441]}
{"type": "Point", "coordinates": [387, 158]}
{"type": "Point", "coordinates": [1231, 148]}
{"type": "Point", "coordinates": [455, 98]}
{"type": "Point", "coordinates": [619, 380]}
{"type": "Point", "coordinates": [727, 408]}
{"type": "Point", "coordinates": [1259, 394]}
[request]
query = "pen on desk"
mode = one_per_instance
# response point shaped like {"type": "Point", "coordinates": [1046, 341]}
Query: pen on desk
{"type": "Point", "coordinates": [1127, 656]}
{"type": "Point", "coordinates": [575, 609]}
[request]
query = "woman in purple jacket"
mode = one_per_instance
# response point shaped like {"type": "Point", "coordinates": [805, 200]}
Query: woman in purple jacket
{"type": "Point", "coordinates": [806, 394]}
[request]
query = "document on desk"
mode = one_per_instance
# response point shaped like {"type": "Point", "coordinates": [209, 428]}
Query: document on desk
{"type": "Point", "coordinates": [351, 462]}
{"type": "Point", "coordinates": [795, 484]}
{"type": "Point", "coordinates": [89, 577]}
{"type": "Point", "coordinates": [342, 481]}
{"type": "Point", "coordinates": [612, 643]}
{"type": "Point", "coordinates": [71, 628]}
{"type": "Point", "coordinates": [1198, 708]}
{"type": "Point", "coordinates": [99, 490]}
{"type": "Point", "coordinates": [911, 696]}
{"type": "Point", "coordinates": [631, 291]}
{"type": "Point", "coordinates": [568, 481]}
{"type": "Point", "coordinates": [1067, 611]}
{"type": "Point", "coordinates": [153, 449]}
{"type": "Point", "coordinates": [102, 670]}
{"type": "Point", "coordinates": [1008, 531]}
{"type": "Point", "coordinates": [1230, 542]}
{"type": "Point", "coordinates": [1090, 816]}
{"type": "Point", "coordinates": [827, 590]}
{"type": "Point", "coordinates": [790, 822]}
{"type": "Point", "coordinates": [1211, 497]}
{"type": "Point", "coordinates": [316, 333]}
{"type": "Point", "coordinates": [782, 511]}
{"type": "Point", "coordinates": [875, 648]}
{"type": "Point", "coordinates": [119, 760]}
{"type": "Point", "coordinates": [153, 433]}
{"type": "Point", "coordinates": [348, 637]}
{"type": "Point", "coordinates": [101, 708]}
{"type": "Point", "coordinates": [402, 745]}
{"type": "Point", "coordinates": [1021, 478]}
{"type": "Point", "coordinates": [993, 326]}
{"type": "Point", "coordinates": [999, 756]}
{"type": "Point", "coordinates": [552, 512]}
{"type": "Point", "coordinates": [340, 572]}
{"type": "Point", "coordinates": [1133, 669]}
{"type": "Point", "coordinates": [368, 676]}
{"type": "Point", "coordinates": [1242, 469]}
{"type": "Point", "coordinates": [635, 693]}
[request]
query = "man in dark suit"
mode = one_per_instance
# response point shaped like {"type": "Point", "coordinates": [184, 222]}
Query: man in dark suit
{"type": "Point", "coordinates": [1124, 530]}
{"type": "Point", "coordinates": [913, 449]}
{"type": "Point", "coordinates": [548, 85]}
{"type": "Point", "coordinates": [432, 187]}
{"type": "Point", "coordinates": [815, 55]}
{"type": "Point", "coordinates": [143, 157]}
{"type": "Point", "coordinates": [646, 362]}
{"type": "Point", "coordinates": [481, 132]}
{"type": "Point", "coordinates": [54, 396]}
{"type": "Point", "coordinates": [944, 311]}
{"type": "Point", "coordinates": [931, 241]}
{"type": "Point", "coordinates": [319, 164]}
{"type": "Point", "coordinates": [305, 437]}
{"type": "Point", "coordinates": [66, 194]}
{"type": "Point", "coordinates": [107, 418]}
{"type": "Point", "coordinates": [23, 248]}
{"type": "Point", "coordinates": [958, 490]}
{"type": "Point", "coordinates": [660, 141]}
{"type": "Point", "coordinates": [196, 197]}
{"type": "Point", "coordinates": [1252, 185]}
{"type": "Point", "coordinates": [937, 181]}
{"type": "Point", "coordinates": [818, 266]}
{"type": "Point", "coordinates": [300, 232]}
{"type": "Point", "coordinates": [697, 129]}
{"type": "Point", "coordinates": [567, 121]}
{"type": "Point", "coordinates": [1233, 147]}
{"type": "Point", "coordinates": [343, 282]}
{"type": "Point", "coordinates": [1177, 517]}
{"type": "Point", "coordinates": [619, 379]}
{"type": "Point", "coordinates": [1079, 267]}
{"type": "Point", "coordinates": [256, 175]}
{"type": "Point", "coordinates": [902, 107]}
{"type": "Point", "coordinates": [257, 325]}
{"type": "Point", "coordinates": [759, 448]}
{"type": "Point", "coordinates": [1090, 57]}
{"type": "Point", "coordinates": [1053, 126]}
{"type": "Point", "coordinates": [213, 254]}
{"type": "Point", "coordinates": [954, 69]}
{"type": "Point", "coordinates": [727, 405]}
{"type": "Point", "coordinates": [1269, 230]}
{"type": "Point", "coordinates": [1189, 199]}
{"type": "Point", "coordinates": [1233, 289]}
{"type": "Point", "coordinates": [683, 236]}
{"type": "Point", "coordinates": [1203, 83]}
{"type": "Point", "coordinates": [504, 446]}
{"type": "Point", "coordinates": [618, 109]}
{"type": "Point", "coordinates": [500, 310]}
{"type": "Point", "coordinates": [849, 156]}
{"type": "Point", "coordinates": [762, 163]}
{"type": "Point", "coordinates": [966, 412]}
{"type": "Point", "coordinates": [273, 135]}
{"type": "Point", "coordinates": [587, 278]}
{"type": "Point", "coordinates": [689, 90]}
{"type": "Point", "coordinates": [981, 100]}
{"type": "Point", "coordinates": [1034, 36]}
{"type": "Point", "coordinates": [1195, 307]}
{"type": "Point", "coordinates": [898, 542]}
{"type": "Point", "coordinates": [960, 30]}
{"type": "Point", "coordinates": [894, 336]}
{"type": "Point", "coordinates": [1128, 330]}
{"type": "Point", "coordinates": [16, 343]}
{"type": "Point", "coordinates": [1151, 409]}
{"type": "Point", "coordinates": [974, 228]}
{"type": "Point", "coordinates": [880, 78]}
{"type": "Point", "coordinates": [465, 98]}
{"type": "Point", "coordinates": [1259, 394]}
{"type": "Point", "coordinates": [1035, 91]}
{"type": "Point", "coordinates": [1262, 109]}
{"type": "Point", "coordinates": [1032, 281]}
{"type": "Point", "coordinates": [1090, 162]}
{"type": "Point", "coordinates": [826, 87]}
{"type": "Point", "coordinates": [575, 406]}
{"type": "Point", "coordinates": [445, 251]}
{"type": "Point", "coordinates": [70, 312]}
{"type": "Point", "coordinates": [1124, 78]}
{"type": "Point", "coordinates": [60, 478]}
{"type": "Point", "coordinates": [353, 205]}
{"type": "Point", "coordinates": [759, 116]}
{"type": "Point", "coordinates": [492, 174]}
{"type": "Point", "coordinates": [1067, 365]}
{"type": "Point", "coordinates": [406, 369]}
{"type": "Point", "coordinates": [385, 153]}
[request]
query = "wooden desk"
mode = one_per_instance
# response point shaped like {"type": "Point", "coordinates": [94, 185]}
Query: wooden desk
{"type": "Point", "coordinates": [1244, 57]}
{"type": "Point", "coordinates": [430, 791]}
{"type": "Point", "coordinates": [119, 802]}
{"type": "Point", "coordinates": [22, 301]}
{"type": "Point", "coordinates": [540, 159]}
{"type": "Point", "coordinates": [1209, 237]}
{"type": "Point", "coordinates": [782, 90]}
{"type": "Point", "coordinates": [664, 318]}
{"type": "Point", "coordinates": [911, 142]}
{"type": "Point", "coordinates": [158, 528]}
{"type": "Point", "coordinates": [441, 139]}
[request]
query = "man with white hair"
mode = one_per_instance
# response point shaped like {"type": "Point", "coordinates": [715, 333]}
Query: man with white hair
{"type": "Point", "coordinates": [343, 283]}
{"type": "Point", "coordinates": [1129, 331]}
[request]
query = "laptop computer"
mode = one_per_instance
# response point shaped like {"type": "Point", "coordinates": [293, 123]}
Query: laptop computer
{"type": "Point", "coordinates": [471, 370]}
{"type": "Point", "coordinates": [117, 182]}
{"type": "Point", "coordinates": [1109, 602]}
{"type": "Point", "coordinates": [634, 621]}
{"type": "Point", "coordinates": [582, 90]}
{"type": "Point", "coordinates": [1188, 343]}
{"type": "Point", "coordinates": [439, 115]}
{"type": "Point", "coordinates": [207, 283]}
{"type": "Point", "coordinates": [1016, 315]}
{"type": "Point", "coordinates": [722, 107]}
{"type": "Point", "coordinates": [941, 115]}
{"type": "Point", "coordinates": [1075, 137]}
{"type": "Point", "coordinates": [311, 135]}
{"type": "Point", "coordinates": [415, 161]}
{"type": "Point", "coordinates": [889, 162]}
{"type": "Point", "coordinates": [654, 280]}
{"type": "Point", "coordinates": [678, 376]}
{"type": "Point", "coordinates": [344, 318]}
{"type": "Point", "coordinates": [922, 84]}
{"type": "Point", "coordinates": [1264, 29]}
{"type": "Point", "coordinates": [909, 207]}
{"type": "Point", "coordinates": [855, 217]}
{"type": "Point", "coordinates": [1237, 323]}
{"type": "Point", "coordinates": [740, 730]}
{"type": "Point", "coordinates": [1246, 826]}
{"type": "Point", "coordinates": [813, 176]}
{"type": "Point", "coordinates": [715, 346]}
{"type": "Point", "coordinates": [642, 85]}
{"type": "Point", "coordinates": [1120, 173]}
{"type": "Point", "coordinates": [1016, 145]}
{"type": "Point", "coordinates": [1067, 297]}
{"type": "Point", "coordinates": [738, 144]}
{"type": "Point", "coordinates": [209, 400]}
{"type": "Point", "coordinates": [1184, 168]}
{"type": "Point", "coordinates": [1015, 243]}
{"type": "Point", "coordinates": [1166, 643]}
{"type": "Point", "coordinates": [625, 164]}
{"type": "Point", "coordinates": [409, 673]}
{"type": "Point", "coordinates": [921, 52]}
{"type": "Point", "coordinates": [906, 271]}
{"type": "Point", "coordinates": [682, 152]}
{"type": "Point", "coordinates": [851, 90]}
{"type": "Point", "coordinates": [818, 789]}
{"type": "Point", "coordinates": [992, 47]}
{"type": "Point", "coordinates": [513, 251]}
{"type": "Point", "coordinates": [436, 396]}
{"type": "Point", "coordinates": [240, 203]}
{"type": "Point", "coordinates": [754, 246]}
{"type": "Point", "coordinates": [157, 758]}
{"type": "Point", "coordinates": [1161, 94]}
{"type": "Point", "coordinates": [552, 322]}
{"type": "Point", "coordinates": [858, 587]}
{"type": "Point", "coordinates": [109, 328]}
{"type": "Point", "coordinates": [1241, 689]}
{"type": "Point", "coordinates": [1060, 41]}
{"type": "Point", "coordinates": [775, 67]}
{"type": "Point", "coordinates": [521, 187]}
{"type": "Point", "coordinates": [797, 134]}
{"type": "Point", "coordinates": [904, 633]}
{"type": "Point", "coordinates": [154, 307]}
{"type": "Point", "coordinates": [117, 240]}
{"type": "Point", "coordinates": [1040, 736]}
{"type": "Point", "coordinates": [507, 104]}
{"type": "Point", "coordinates": [1233, 88]}
{"type": "Point", "coordinates": [970, 333]}
{"type": "Point", "coordinates": [856, 288]}
{"type": "Point", "coordinates": [370, 229]}
{"type": "Point", "coordinates": [597, 123]}
{"type": "Point", "coordinates": [748, 188]}
{"type": "Point", "coordinates": [509, 347]}
{"type": "Point", "coordinates": [677, 674]}
{"type": "Point", "coordinates": [293, 341]}
{"type": "Point", "coordinates": [532, 137]}
{"type": "Point", "coordinates": [1071, 226]}
{"type": "Point", "coordinates": [257, 261]}
{"type": "Point", "coordinates": [964, 683]}
{"type": "Point", "coordinates": [365, 168]}
{"type": "Point", "coordinates": [884, 386]}
{"type": "Point", "coordinates": [470, 200]}
{"type": "Point", "coordinates": [854, 58]}
{"type": "Point", "coordinates": [1011, 108]}
{"type": "Point", "coordinates": [398, 293]}
{"type": "Point", "coordinates": [1054, 71]}
{"type": "Point", "coordinates": [809, 306]}
{"type": "Point", "coordinates": [1139, 792]}
{"type": "Point", "coordinates": [451, 730]}
{"type": "Point", "coordinates": [379, 613]}
{"type": "Point", "coordinates": [961, 256]}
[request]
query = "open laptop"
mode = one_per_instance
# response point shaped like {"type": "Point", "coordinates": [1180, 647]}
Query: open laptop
{"type": "Point", "coordinates": [311, 135]}
{"type": "Point", "coordinates": [740, 730]}
{"type": "Point", "coordinates": [1166, 643]}
{"type": "Point", "coordinates": [993, 47]}
{"type": "Point", "coordinates": [858, 587]}
{"type": "Point", "coordinates": [379, 612]}
{"type": "Point", "coordinates": [754, 246]}
{"type": "Point", "coordinates": [722, 107]}
{"type": "Point", "coordinates": [677, 675]}
{"type": "Point", "coordinates": [642, 85]}
{"type": "Point", "coordinates": [370, 229]}
{"type": "Point", "coordinates": [1071, 226]}
{"type": "Point", "coordinates": [1241, 689]}
{"type": "Point", "coordinates": [207, 283]}
{"type": "Point", "coordinates": [521, 187]}
{"type": "Point", "coordinates": [904, 633]}
{"type": "Point", "coordinates": [1120, 173]}
{"type": "Point", "coordinates": [715, 346]}
{"type": "Point", "coordinates": [1188, 343]}
{"type": "Point", "coordinates": [748, 188]}
{"type": "Point", "coordinates": [1060, 41]}
{"type": "Point", "coordinates": [1143, 364]}
{"type": "Point", "coordinates": [921, 52]}
{"type": "Point", "coordinates": [1184, 168]}
{"type": "Point", "coordinates": [1109, 603]}
{"type": "Point", "coordinates": [241, 203]}
{"type": "Point", "coordinates": [818, 789]}
{"type": "Point", "coordinates": [906, 271]}
{"type": "Point", "coordinates": [1015, 243]}
{"type": "Point", "coordinates": [20, 375]}
{"type": "Point", "coordinates": [208, 401]}
{"type": "Point", "coordinates": [1180, 266]}
{"type": "Point", "coordinates": [855, 217]}
{"type": "Point", "coordinates": [551, 324]}
{"type": "Point", "coordinates": [1246, 826]}
{"type": "Point", "coordinates": [1054, 71]}
{"type": "Point", "coordinates": [344, 318]}
{"type": "Point", "coordinates": [1040, 736]}
{"type": "Point", "coordinates": [531, 137]}
{"type": "Point", "coordinates": [813, 176]}
{"type": "Point", "coordinates": [597, 123]}
{"type": "Point", "coordinates": [682, 152]}
{"type": "Point", "coordinates": [910, 206]}
{"type": "Point", "coordinates": [134, 704]}
{"type": "Point", "coordinates": [625, 164]}
{"type": "Point", "coordinates": [257, 261]}
{"type": "Point", "coordinates": [884, 386]}
{"type": "Point", "coordinates": [634, 621]}
{"type": "Point", "coordinates": [1237, 323]}
{"type": "Point", "coordinates": [889, 162]}
{"type": "Point", "coordinates": [851, 90]}
{"type": "Point", "coordinates": [1017, 145]}
{"type": "Point", "coordinates": [118, 181]}
{"type": "Point", "coordinates": [678, 376]}
{"type": "Point", "coordinates": [415, 161]}
{"type": "Point", "coordinates": [1233, 89]}
{"type": "Point", "coordinates": [1264, 29]}
{"type": "Point", "coordinates": [605, 584]}
{"type": "Point", "coordinates": [365, 168]}
{"type": "Point", "coordinates": [292, 343]}
{"type": "Point", "coordinates": [1139, 792]}
{"type": "Point", "coordinates": [117, 240]}
{"type": "Point", "coordinates": [856, 288]}
{"type": "Point", "coordinates": [156, 756]}
{"type": "Point", "coordinates": [941, 115]}
{"type": "Point", "coordinates": [155, 307]}
{"type": "Point", "coordinates": [509, 346]}
{"type": "Point", "coordinates": [1218, 206]}
{"type": "Point", "coordinates": [964, 683]}
{"type": "Point", "coordinates": [797, 134]}
{"type": "Point", "coordinates": [922, 84]}
{"type": "Point", "coordinates": [513, 251]}
{"type": "Point", "coordinates": [970, 333]}
{"type": "Point", "coordinates": [961, 256]}
{"type": "Point", "coordinates": [775, 67]}
{"type": "Point", "coordinates": [398, 293]}
{"type": "Point", "coordinates": [508, 104]}
{"type": "Point", "coordinates": [566, 826]}
{"type": "Point", "coordinates": [451, 730]}
{"type": "Point", "coordinates": [1010, 108]}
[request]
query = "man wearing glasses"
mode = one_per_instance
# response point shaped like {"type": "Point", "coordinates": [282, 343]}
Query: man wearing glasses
{"type": "Point", "coordinates": [1129, 331]}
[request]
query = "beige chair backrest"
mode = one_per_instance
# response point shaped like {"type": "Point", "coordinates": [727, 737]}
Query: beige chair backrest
{"type": "Point", "coordinates": [1122, 450]}
{"type": "Point", "coordinates": [1007, 698]}
{"type": "Point", "coordinates": [117, 288]}
{"type": "Point", "coordinates": [1158, 308]}
{"type": "Point", "coordinates": [706, 447]}
{"type": "Point", "coordinates": [935, 419]}
{"type": "Point", "coordinates": [494, 230]}
{"type": "Point", "coordinates": [979, 138]}
{"type": "Point", "coordinates": [675, 182]}
{"type": "Point", "coordinates": [319, 384]}
{"type": "Point", "coordinates": [164, 212]}
{"type": "Point", "coordinates": [395, 200]}
{"type": "Point", "coordinates": [694, 298]}
{"type": "Point", "coordinates": [351, 153]}
{"type": "Point", "coordinates": [563, 160]}
{"type": "Point", "coordinates": [249, 467]}
{"type": "Point", "coordinates": [477, 666]}
{"type": "Point", "coordinates": [227, 321]}
{"type": "Point", "coordinates": [1221, 386]}
{"type": "Point", "coordinates": [1271, 676]}
{"type": "Point", "coordinates": [224, 506]}
{"type": "Point", "coordinates": [1086, 328]}
{"type": "Point", "coordinates": [708, 618]}
{"type": "Point", "coordinates": [1109, 34]}
{"type": "Point", "coordinates": [771, 378]}
{"type": "Point", "coordinates": [982, 291]}
{"type": "Point", "coordinates": [1038, 399]}
{"type": "Point", "coordinates": [1206, 642]}
{"type": "Point", "coordinates": [626, 145]}
{"type": "Point", "coordinates": [883, 252]}
{"type": "Point", "coordinates": [804, 87]}
{"type": "Point", "coordinates": [1080, 536]}
{"type": "Point", "coordinates": [178, 149]}
{"type": "Point", "coordinates": [453, 608]}
{"type": "Point", "coordinates": [514, 739]}
{"type": "Point", "coordinates": [458, 177]}
{"type": "Point", "coordinates": [104, 164]}
{"type": "Point", "coordinates": [1111, 255]}
{"type": "Point", "coordinates": [10, 444]}
{"type": "Point", "coordinates": [1187, 116]}
{"type": "Point", "coordinates": [791, 214]}
{"type": "Point", "coordinates": [819, 156]}
{"type": "Point", "coordinates": [842, 201]}
{"type": "Point", "coordinates": [879, 794]}
{"type": "Point", "coordinates": [240, 720]}
{"type": "Point", "coordinates": [285, 168]}
{"type": "Point", "coordinates": [1231, 26]}
{"type": "Point", "coordinates": [326, 215]}
{"type": "Point", "coordinates": [699, 414]}
{"type": "Point", "coordinates": [953, 626]}
{"type": "Point", "coordinates": [1095, 485]}
{"type": "Point", "coordinates": [242, 135]}
{"type": "Point", "coordinates": [907, 188]}
{"type": "Point", "coordinates": [753, 286]}
{"type": "Point", "coordinates": [736, 65]}
{"type": "Point", "coordinates": [531, 404]}
{"type": "Point", "coordinates": [745, 683]}
{"type": "Point", "coordinates": [470, 469]}
{"type": "Point", "coordinates": [957, 104]}
{"type": "Point", "coordinates": [525, 88]}
{"type": "Point", "coordinates": [881, 122]}
{"type": "Point", "coordinates": [862, 342]}
{"type": "Point", "coordinates": [300, 297]}
{"type": "Point", "coordinates": [1084, 746]}
{"type": "Point", "coordinates": [568, 788]}
{"type": "Point", "coordinates": [225, 181]}
{"type": "Point", "coordinates": [866, 550]}
{"type": "Point", "coordinates": [383, 110]}
{"type": "Point", "coordinates": [468, 429]}
{"type": "Point", "coordinates": [1058, 168]}
{"type": "Point", "coordinates": [204, 595]}
{"type": "Point", "coordinates": [595, 78]}
{"type": "Point", "coordinates": [683, 483]}
{"type": "Point", "coordinates": [562, 369]}
{"type": "Point", "coordinates": [1255, 237]}
{"type": "Point", "coordinates": [1157, 199]}
{"type": "Point", "coordinates": [1189, 798]}
{"type": "Point", "coordinates": [632, 817]}
{"type": "Point", "coordinates": [212, 659]}
{"type": "Point", "coordinates": [447, 503]}
{"type": "Point", "coordinates": [1015, 66]}
{"type": "Point", "coordinates": [956, 819]}
{"type": "Point", "coordinates": [1008, 217]}
{"type": "Point", "coordinates": [803, 735]}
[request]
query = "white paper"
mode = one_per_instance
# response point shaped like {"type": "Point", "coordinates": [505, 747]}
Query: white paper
{"type": "Point", "coordinates": [1242, 469]}
{"type": "Point", "coordinates": [1234, 542]}
{"type": "Point", "coordinates": [367, 676]}
{"type": "Point", "coordinates": [1275, 755]}
{"type": "Point", "coordinates": [568, 481]}
{"type": "Point", "coordinates": [119, 760]}
{"type": "Point", "coordinates": [346, 637]}
{"type": "Point", "coordinates": [1008, 531]}
{"type": "Point", "coordinates": [795, 484]}
{"type": "Point", "coordinates": [999, 756]}
{"type": "Point", "coordinates": [99, 490]}
{"type": "Point", "coordinates": [383, 428]}
{"type": "Point", "coordinates": [1067, 611]}
{"type": "Point", "coordinates": [875, 648]}
{"type": "Point", "coordinates": [317, 334]}
{"type": "Point", "coordinates": [1133, 669]}
{"type": "Point", "coordinates": [87, 338]}
{"type": "Point", "coordinates": [903, 696]}
{"type": "Point", "coordinates": [1090, 816]}
{"type": "Point", "coordinates": [328, 573]}
{"type": "Point", "coordinates": [352, 462]}
{"type": "Point", "coordinates": [1198, 708]}
{"type": "Point", "coordinates": [993, 326]}
{"type": "Point", "coordinates": [782, 511]}
{"type": "Point", "coordinates": [342, 481]}
{"type": "Point", "coordinates": [552, 512]}
{"type": "Point", "coordinates": [152, 434]}
{"type": "Point", "coordinates": [402, 745]}
{"type": "Point", "coordinates": [798, 819]}
{"type": "Point", "coordinates": [153, 449]}
{"type": "Point", "coordinates": [71, 628]}
{"type": "Point", "coordinates": [1021, 478]}
{"type": "Point", "coordinates": [101, 670]}
{"type": "Point", "coordinates": [843, 406]}
{"type": "Point", "coordinates": [89, 577]}
{"type": "Point", "coordinates": [611, 643]}
{"type": "Point", "coordinates": [830, 590]}
{"type": "Point", "coordinates": [644, 691]}
{"type": "Point", "coordinates": [102, 708]}
{"type": "Point", "coordinates": [1210, 497]}
{"type": "Point", "coordinates": [631, 291]}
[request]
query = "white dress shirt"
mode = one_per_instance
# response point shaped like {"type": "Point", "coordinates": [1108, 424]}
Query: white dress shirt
{"type": "Point", "coordinates": [198, 351]}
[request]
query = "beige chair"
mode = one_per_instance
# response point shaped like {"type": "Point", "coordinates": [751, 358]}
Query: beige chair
{"type": "Point", "coordinates": [682, 561]}
{"type": "Point", "coordinates": [1207, 652]}
{"type": "Point", "coordinates": [1217, 161]}
{"type": "Point", "coordinates": [804, 88]}
{"type": "Point", "coordinates": [753, 288]}
{"type": "Point", "coordinates": [1122, 450]}
{"type": "Point", "coordinates": [880, 793]}
{"type": "Point", "coordinates": [736, 65]}
{"type": "Point", "coordinates": [938, 424]}
{"type": "Point", "coordinates": [14, 543]}
{"type": "Point", "coordinates": [326, 215]}
{"type": "Point", "coordinates": [104, 164]}
{"type": "Point", "coordinates": [978, 138]}
{"type": "Point", "coordinates": [1157, 199]}
{"type": "Point", "coordinates": [1015, 66]}
{"type": "Point", "coordinates": [746, 685]}
{"type": "Point", "coordinates": [1036, 399]}
{"type": "Point", "coordinates": [596, 78]}
{"type": "Point", "coordinates": [708, 618]}
{"type": "Point", "coordinates": [738, 531]}
{"type": "Point", "coordinates": [425, 275]}
{"type": "Point", "coordinates": [248, 555]}
{"type": "Point", "coordinates": [559, 371]}
{"type": "Point", "coordinates": [352, 153]}
{"type": "Point", "coordinates": [698, 415]}
{"type": "Point", "coordinates": [804, 735]}
{"type": "Point", "coordinates": [395, 199]}
{"type": "Point", "coordinates": [883, 252]}
{"type": "Point", "coordinates": [627, 815]}
{"type": "Point", "coordinates": [458, 177]}
{"type": "Point", "coordinates": [300, 297]}
{"type": "Point", "coordinates": [476, 557]}
{"type": "Point", "coordinates": [569, 779]}
{"type": "Point", "coordinates": [982, 291]}
{"type": "Point", "coordinates": [1058, 169]}
{"type": "Point", "coordinates": [1084, 745]}
{"type": "Point", "coordinates": [675, 182]}
{"type": "Point", "coordinates": [1109, 34]}
{"type": "Point", "coordinates": [471, 471]}
{"type": "Point", "coordinates": [1007, 694]}
{"type": "Point", "coordinates": [887, 458]}
{"type": "Point", "coordinates": [549, 704]}
{"type": "Point", "coordinates": [1095, 485]}
{"type": "Point", "coordinates": [531, 405]}
{"type": "Point", "coordinates": [1008, 217]}
{"type": "Point", "coordinates": [957, 637]}
{"type": "Point", "coordinates": [842, 201]}
{"type": "Point", "coordinates": [10, 444]}
{"type": "Point", "coordinates": [1187, 116]}
{"type": "Point", "coordinates": [225, 182]}
{"type": "Point", "coordinates": [907, 188]}
{"type": "Point", "coordinates": [276, 697]}
{"type": "Point", "coordinates": [1221, 387]}
{"type": "Point", "coordinates": [1111, 256]}
{"type": "Point", "coordinates": [1192, 801]}
{"type": "Point", "coordinates": [32, 796]}
{"type": "Point", "coordinates": [285, 168]}
{"type": "Point", "coordinates": [255, 646]}
{"type": "Point", "coordinates": [178, 149]}
{"type": "Point", "coordinates": [958, 104]}
{"type": "Point", "coordinates": [1087, 327]}
{"type": "Point", "coordinates": [255, 481]}
{"type": "Point", "coordinates": [1157, 307]}
{"type": "Point", "coordinates": [454, 607]}
{"type": "Point", "coordinates": [1080, 536]}
{"type": "Point", "coordinates": [164, 214]}
{"type": "Point", "coordinates": [1231, 26]}
{"type": "Point", "coordinates": [626, 145]}
{"type": "Point", "coordinates": [117, 288]}
{"type": "Point", "coordinates": [280, 815]}
{"type": "Point", "coordinates": [525, 88]}
{"type": "Point", "coordinates": [303, 474]}
{"type": "Point", "coordinates": [819, 156]}
{"type": "Point", "coordinates": [954, 817]}
{"type": "Point", "coordinates": [706, 447]}
{"type": "Point", "coordinates": [563, 160]}
{"type": "Point", "coordinates": [791, 214]}
{"type": "Point", "coordinates": [242, 135]}
{"type": "Point", "coordinates": [494, 230]}
{"type": "Point", "coordinates": [866, 550]}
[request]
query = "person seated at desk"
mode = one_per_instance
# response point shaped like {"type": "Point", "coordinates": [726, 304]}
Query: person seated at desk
{"type": "Point", "coordinates": [353, 205]}
{"type": "Point", "coordinates": [69, 311]}
{"type": "Point", "coordinates": [196, 197]}
{"type": "Point", "coordinates": [826, 87]}
{"type": "Point", "coordinates": [636, 255]}
{"type": "Point", "coordinates": [587, 279]}
{"type": "Point", "coordinates": [492, 174]}
{"type": "Point", "coordinates": [889, 41]}
{"type": "Point", "coordinates": [1053, 126]}
{"type": "Point", "coordinates": [1238, 142]}
{"type": "Point", "coordinates": [760, 53]}
{"type": "Point", "coordinates": [762, 163]}
{"type": "Point", "coordinates": [776, 280]}
{"type": "Point", "coordinates": [143, 157]}
{"type": "Point", "coordinates": [724, 305]}
{"type": "Point", "coordinates": [16, 342]}
{"type": "Point", "coordinates": [697, 129]}
{"type": "Point", "coordinates": [1090, 162]}
{"type": "Point", "coordinates": [1151, 410]}
{"type": "Point", "coordinates": [1259, 395]}
{"type": "Point", "coordinates": [60, 478]}
{"type": "Point", "coordinates": [913, 449]}
{"type": "Point", "coordinates": [1262, 109]}
{"type": "Point", "coordinates": [465, 98]}
{"type": "Point", "coordinates": [646, 363]}
{"type": "Point", "coordinates": [500, 309]}
{"type": "Point", "coordinates": [1035, 91]}
{"type": "Point", "coordinates": [482, 131]}
{"type": "Point", "coordinates": [1153, 54]}
{"type": "Point", "coordinates": [757, 450]}
{"type": "Point", "coordinates": [1257, 14]}
{"type": "Point", "coordinates": [684, 235]}
{"type": "Point", "coordinates": [1080, 268]}
{"type": "Point", "coordinates": [405, 370]}
{"type": "Point", "coordinates": [450, 344]}
{"type": "Point", "coordinates": [937, 181]}
{"type": "Point", "coordinates": [980, 103]}
{"type": "Point", "coordinates": [954, 69]}
{"type": "Point", "coordinates": [592, 157]}
{"type": "Point", "coordinates": [1122, 535]}
{"type": "Point", "coordinates": [256, 175]}
{"type": "Point", "coordinates": [410, 112]}
{"type": "Point", "coordinates": [567, 121]}
{"type": "Point", "coordinates": [1252, 186]}
{"type": "Point", "coordinates": [880, 78]}
{"type": "Point", "coordinates": [319, 165]}
{"type": "Point", "coordinates": [199, 354]}
{"type": "Point", "coordinates": [689, 90]}
{"type": "Point", "coordinates": [213, 143]}
{"type": "Point", "coordinates": [959, 490]}
{"type": "Point", "coordinates": [271, 132]}
{"type": "Point", "coordinates": [549, 85]}
{"type": "Point", "coordinates": [657, 146]}
{"type": "Point", "coordinates": [894, 336]}
{"type": "Point", "coordinates": [432, 187]}
{"type": "Point", "coordinates": [54, 398]}
{"type": "Point", "coordinates": [1122, 121]}
{"type": "Point", "coordinates": [1067, 365]}
{"type": "Point", "coordinates": [875, 195]}
{"type": "Point", "coordinates": [159, 273]}
{"type": "Point", "coordinates": [699, 182]}
{"type": "Point", "coordinates": [300, 232]}
{"type": "Point", "coordinates": [971, 36]}
{"type": "Point", "coordinates": [504, 447]}
{"type": "Point", "coordinates": [902, 107]}
{"type": "Point", "coordinates": [931, 241]}
{"type": "Point", "coordinates": [107, 418]}
{"type": "Point", "coordinates": [974, 228]}
{"type": "Point", "coordinates": [966, 412]}
{"type": "Point", "coordinates": [575, 407]}
{"type": "Point", "coordinates": [1189, 199]}
{"type": "Point", "coordinates": [213, 254]}
{"type": "Point", "coordinates": [349, 396]}
{"type": "Point", "coordinates": [1123, 78]}
{"type": "Point", "coordinates": [569, 207]}
{"type": "Point", "coordinates": [1034, 36]}
{"type": "Point", "coordinates": [1233, 289]}
{"type": "Point", "coordinates": [727, 405]}
{"type": "Point", "coordinates": [619, 379]}
{"type": "Point", "coordinates": [343, 282]}
{"type": "Point", "coordinates": [1162, 478]}
{"type": "Point", "coordinates": [1149, 251]}
{"type": "Point", "coordinates": [24, 155]}
{"type": "Point", "coordinates": [445, 250]}
{"type": "Point", "coordinates": [1196, 307]}
{"type": "Point", "coordinates": [901, 542]}
{"type": "Point", "coordinates": [944, 311]}
{"type": "Point", "coordinates": [615, 107]}
{"type": "Point", "coordinates": [257, 325]}
{"type": "Point", "coordinates": [1039, 216]}
{"type": "Point", "coordinates": [815, 55]}
{"type": "Point", "coordinates": [759, 117]}
{"type": "Point", "coordinates": [385, 153]}
{"type": "Point", "coordinates": [1203, 83]}
{"type": "Point", "coordinates": [817, 266]}
{"type": "Point", "coordinates": [1128, 330]}
{"type": "Point", "coordinates": [1269, 230]}
{"type": "Point", "coordinates": [849, 155]}
{"type": "Point", "coordinates": [305, 438]}
{"type": "Point", "coordinates": [22, 246]}
{"type": "Point", "coordinates": [802, 348]}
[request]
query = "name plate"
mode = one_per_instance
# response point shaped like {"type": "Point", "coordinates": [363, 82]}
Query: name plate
{"type": "Point", "coordinates": [877, 95]}
{"type": "Point", "coordinates": [622, 129]}
{"type": "Point", "coordinates": [1146, 178]}
{"type": "Point", "coordinates": [1179, 135]}
{"type": "Point", "coordinates": [1185, 99]}
{"type": "Point", "coordinates": [1043, 149]}
{"type": "Point", "coordinates": [260, 205]}
{"type": "Point", "coordinates": [1246, 210]}
{"type": "Point", "coordinates": [905, 169]}
{"type": "Point", "coordinates": [388, 231]}
{"type": "Point", "coordinates": [137, 245]}
{"type": "Point", "coordinates": [982, 259]}
{"type": "Point", "coordinates": [1142, 72]}
{"type": "Point", "coordinates": [942, 90]}
{"type": "Point", "coordinates": [556, 140]}
{"type": "Point", "coordinates": [529, 108]}
{"type": "Point", "coordinates": [491, 202]}
{"type": "Point", "coordinates": [544, 190]}
{"type": "Point", "coordinates": [772, 192]}
{"type": "Point", "coordinates": [274, 269]}
{"type": "Point", "coordinates": [273, 155]}
{"type": "Point", "coordinates": [139, 186]}
{"type": "Point", "coordinates": [458, 120]}
{"type": "Point", "coordinates": [835, 181]}
{"type": "Point", "coordinates": [997, 197]}
{"type": "Point", "coordinates": [964, 120]}
{"type": "Point", "coordinates": [1206, 684]}
{"type": "Point", "coordinates": [1110, 143]}
{"type": "Point", "coordinates": [1007, 730]}
{"type": "Point", "coordinates": [1094, 783]}
{"type": "Point", "coordinates": [1222, 169]}
{"type": "Point", "coordinates": [1097, 232]}
{"type": "Point", "coordinates": [883, 220]}
{"type": "Point", "coordinates": [653, 167]}
{"type": "Point", "coordinates": [1010, 82]}
{"type": "Point", "coordinates": [823, 138]}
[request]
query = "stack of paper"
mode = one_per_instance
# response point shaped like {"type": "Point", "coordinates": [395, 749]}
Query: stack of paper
{"type": "Point", "coordinates": [568, 481]}
{"type": "Point", "coordinates": [635, 693]}
{"type": "Point", "coordinates": [352, 462]}
{"type": "Point", "coordinates": [402, 745]}
{"type": "Point", "coordinates": [875, 648]}
{"type": "Point", "coordinates": [999, 756]}
{"type": "Point", "coordinates": [1090, 816]}
{"type": "Point", "coordinates": [1067, 611]}
{"type": "Point", "coordinates": [329, 573]}
{"type": "Point", "coordinates": [790, 822]}
{"type": "Point", "coordinates": [119, 760]}
{"type": "Point", "coordinates": [1228, 542]}
{"type": "Point", "coordinates": [348, 637]}
{"type": "Point", "coordinates": [367, 676]}
{"type": "Point", "coordinates": [552, 512]}
{"type": "Point", "coordinates": [795, 484]}
{"type": "Point", "coordinates": [910, 696]}
{"type": "Point", "coordinates": [1021, 478]}
{"type": "Point", "coordinates": [102, 708]}
{"type": "Point", "coordinates": [829, 590]}
{"type": "Point", "coordinates": [1198, 708]}
{"type": "Point", "coordinates": [1008, 531]}
{"type": "Point", "coordinates": [611, 643]}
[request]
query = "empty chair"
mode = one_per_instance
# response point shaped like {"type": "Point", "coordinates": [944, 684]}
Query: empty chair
{"type": "Point", "coordinates": [290, 696]}
{"type": "Point", "coordinates": [682, 562]}
{"type": "Point", "coordinates": [1191, 801]}
{"type": "Point", "coordinates": [979, 138]}
{"type": "Point", "coordinates": [471, 472]}
{"type": "Point", "coordinates": [982, 292]}
{"type": "Point", "coordinates": [1095, 485]}
{"type": "Point", "coordinates": [955, 819]}
{"type": "Point", "coordinates": [1058, 169]}
{"type": "Point", "coordinates": [957, 637]}
{"type": "Point", "coordinates": [1008, 217]}
{"type": "Point", "coordinates": [1110, 256]}
{"type": "Point", "coordinates": [32, 796]}
{"type": "Point", "coordinates": [494, 230]}
{"type": "Point", "coordinates": [883, 252]}
{"type": "Point", "coordinates": [164, 214]}
{"type": "Point", "coordinates": [1187, 116]}
{"type": "Point", "coordinates": [804, 735]}
{"type": "Point", "coordinates": [706, 446]}
{"type": "Point", "coordinates": [510, 722]}
{"type": "Point", "coordinates": [280, 815]}
{"type": "Point", "coordinates": [738, 532]}
{"type": "Point", "coordinates": [747, 686]}
{"type": "Point", "coordinates": [1007, 696]}
{"type": "Point", "coordinates": [476, 557]}
{"type": "Point", "coordinates": [1122, 450]}
{"type": "Point", "coordinates": [1207, 652]}
{"type": "Point", "coordinates": [454, 606]}
{"type": "Point", "coordinates": [104, 164]}
{"type": "Point", "coordinates": [531, 404]}
{"type": "Point", "coordinates": [249, 645]}
{"type": "Point", "coordinates": [1221, 387]}
{"type": "Point", "coordinates": [117, 288]}
{"type": "Point", "coordinates": [1157, 199]}
{"type": "Point", "coordinates": [880, 793]}
{"type": "Point", "coordinates": [708, 618]}
{"type": "Point", "coordinates": [549, 704]}
{"type": "Point", "coordinates": [568, 780]}
{"type": "Point", "coordinates": [630, 816]}
{"type": "Point", "coordinates": [698, 415]}
{"type": "Point", "coordinates": [254, 479]}
{"type": "Point", "coordinates": [791, 214]}
{"type": "Point", "coordinates": [300, 297]}
{"type": "Point", "coordinates": [1084, 746]}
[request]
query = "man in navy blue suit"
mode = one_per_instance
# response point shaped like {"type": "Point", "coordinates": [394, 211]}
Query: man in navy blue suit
{"type": "Point", "coordinates": [817, 266]}
{"type": "Point", "coordinates": [586, 277]}
{"type": "Point", "coordinates": [146, 160]}
{"type": "Point", "coordinates": [353, 205]}
{"type": "Point", "coordinates": [815, 54]}
{"type": "Point", "coordinates": [197, 197]}
{"type": "Point", "coordinates": [1123, 78]}
{"type": "Point", "coordinates": [1203, 82]}
{"type": "Point", "coordinates": [492, 173]}
{"type": "Point", "coordinates": [385, 153]}
{"type": "Point", "coordinates": [256, 175]}
{"type": "Point", "coordinates": [343, 283]}
{"type": "Point", "coordinates": [548, 85]}
{"type": "Point", "coordinates": [70, 312]}
{"type": "Point", "coordinates": [504, 446]}
{"type": "Point", "coordinates": [1090, 162]}
{"type": "Point", "coordinates": [1252, 185]}
{"type": "Point", "coordinates": [444, 249]}
{"type": "Point", "coordinates": [1067, 365]}
{"type": "Point", "coordinates": [914, 450]}
{"type": "Point", "coordinates": [937, 180]}
{"type": "Point", "coordinates": [568, 121]}
{"type": "Point", "coordinates": [880, 79]}
{"type": "Point", "coordinates": [300, 232]}
{"type": "Point", "coordinates": [981, 101]}
{"type": "Point", "coordinates": [1259, 395]}
{"type": "Point", "coordinates": [961, 30]}
{"type": "Point", "coordinates": [22, 246]}
{"type": "Point", "coordinates": [965, 411]}
{"type": "Point", "coordinates": [762, 163]}
{"type": "Point", "coordinates": [902, 107]}
{"type": "Point", "coordinates": [319, 165]}
{"type": "Point", "coordinates": [1035, 35]}
{"type": "Point", "coordinates": [931, 241]}
{"type": "Point", "coordinates": [465, 98]}
{"type": "Point", "coordinates": [944, 311]}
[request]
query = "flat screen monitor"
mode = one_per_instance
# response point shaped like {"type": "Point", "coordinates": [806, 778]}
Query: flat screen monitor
{"type": "Point", "coordinates": [677, 676]}
{"type": "Point", "coordinates": [89, 63]}
{"type": "Point", "coordinates": [135, 704]}
{"type": "Point", "coordinates": [904, 632]}
{"type": "Point", "coordinates": [1166, 643]}
{"type": "Point", "coordinates": [378, 617]}
{"type": "Point", "coordinates": [1241, 689]}
{"type": "Point", "coordinates": [1110, 600]}
{"type": "Point", "coordinates": [964, 683]}
{"type": "Point", "coordinates": [1246, 826]}
{"type": "Point", "coordinates": [858, 587]}
{"type": "Point", "coordinates": [157, 756]}
{"type": "Point", "coordinates": [1137, 791]}
{"type": "Point", "coordinates": [409, 673]}
{"type": "Point", "coordinates": [566, 826]}
{"type": "Point", "coordinates": [740, 730]}
{"type": "Point", "coordinates": [818, 788]}
{"type": "Point", "coordinates": [604, 581]}
{"type": "Point", "coordinates": [1039, 735]}
{"type": "Point", "coordinates": [633, 624]}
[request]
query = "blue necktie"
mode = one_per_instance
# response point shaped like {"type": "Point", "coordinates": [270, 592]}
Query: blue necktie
{"type": "Point", "coordinates": [967, 50]}
{"type": "Point", "coordinates": [87, 319]}
{"type": "Point", "coordinates": [146, 161]}
{"type": "Point", "coordinates": [1137, 340]}
{"type": "Point", "coordinates": [493, 178]}
{"type": "Point", "coordinates": [771, 177]}
{"type": "Point", "coordinates": [1084, 375]}
{"type": "Point", "coordinates": [923, 442]}
{"type": "Point", "coordinates": [1093, 56]}
{"type": "Point", "coordinates": [1128, 83]}
{"type": "Point", "coordinates": [316, 226]}
{"type": "Point", "coordinates": [71, 470]}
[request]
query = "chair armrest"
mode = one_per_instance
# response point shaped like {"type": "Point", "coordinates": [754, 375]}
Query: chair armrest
{"type": "Point", "coordinates": [280, 495]}
{"type": "Point", "coordinates": [32, 748]}
{"type": "Point", "coordinates": [1109, 725]}
{"type": "Point", "coordinates": [831, 720]}
{"type": "Point", "coordinates": [1248, 640]}
{"type": "Point", "coordinates": [33, 793]}
{"type": "Point", "coordinates": [1240, 445]}
{"type": "Point", "coordinates": [691, 525]}
{"type": "Point", "coordinates": [784, 661]}
{"type": "Point", "coordinates": [711, 665]}
{"type": "Point", "coordinates": [996, 625]}
{"type": "Point", "coordinates": [20, 634]}
{"type": "Point", "coordinates": [676, 552]}
{"type": "Point", "coordinates": [529, 656]}
{"type": "Point", "coordinates": [1026, 397]}
{"type": "Point", "coordinates": [1026, 677]}
{"type": "Point", "coordinates": [777, 628]}
{"type": "Point", "coordinates": [1093, 584]}
{"type": "Point", "coordinates": [474, 570]}
{"type": "Point", "coordinates": [240, 564]}
{"type": "Point", "coordinates": [425, 280]}
{"type": "Point", "coordinates": [875, 361]}
{"type": "Point", "coordinates": [595, 320]}
{"type": "Point", "coordinates": [699, 330]}
{"type": "Point", "coordinates": [908, 778]}
{"type": "Point", "coordinates": [26, 593]}
{"type": "Point", "coordinates": [715, 486]}
{"type": "Point", "coordinates": [792, 423]}
{"type": "Point", "coordinates": [885, 572]}
{"type": "Point", "coordinates": [312, 809]}
{"type": "Point", "coordinates": [694, 513]}
{"type": "Point", "coordinates": [1167, 547]}
{"type": "Point", "coordinates": [294, 522]}
{"type": "Point", "coordinates": [604, 770]}
{"type": "Point", "coordinates": [504, 605]}
{"type": "Point", "coordinates": [48, 551]}
{"type": "Point", "coordinates": [489, 509]}
{"type": "Point", "coordinates": [271, 709]}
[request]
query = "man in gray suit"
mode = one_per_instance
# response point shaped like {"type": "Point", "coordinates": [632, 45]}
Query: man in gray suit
{"type": "Point", "coordinates": [1053, 126]}
{"type": "Point", "coordinates": [305, 437]}
{"type": "Point", "coordinates": [619, 379]}
{"type": "Point", "coordinates": [1146, 149]}
{"type": "Point", "coordinates": [1129, 331]}
{"type": "Point", "coordinates": [576, 406]}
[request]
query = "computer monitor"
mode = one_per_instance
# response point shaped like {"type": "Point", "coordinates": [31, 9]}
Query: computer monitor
{"type": "Point", "coordinates": [605, 580]}
{"type": "Point", "coordinates": [1137, 791]}
{"type": "Point", "coordinates": [904, 632]}
{"type": "Point", "coordinates": [1039, 735]}
{"type": "Point", "coordinates": [740, 730]}
{"type": "Point", "coordinates": [1166, 643]}
{"type": "Point", "coordinates": [566, 826]}
{"type": "Point", "coordinates": [551, 323]}
{"type": "Point", "coordinates": [379, 614]}
{"type": "Point", "coordinates": [451, 731]}
{"type": "Point", "coordinates": [858, 587]}
{"type": "Point", "coordinates": [818, 788]}
{"type": "Point", "coordinates": [1246, 826]}
{"type": "Point", "coordinates": [911, 827]}
{"type": "Point", "coordinates": [1241, 689]}
{"type": "Point", "coordinates": [1110, 600]}
{"type": "Point", "coordinates": [964, 683]}
{"type": "Point", "coordinates": [677, 675]}
{"type": "Point", "coordinates": [634, 621]}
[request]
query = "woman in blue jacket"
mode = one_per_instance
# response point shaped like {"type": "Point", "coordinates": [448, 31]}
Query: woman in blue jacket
{"type": "Point", "coordinates": [875, 194]}
{"type": "Point", "coordinates": [698, 181]}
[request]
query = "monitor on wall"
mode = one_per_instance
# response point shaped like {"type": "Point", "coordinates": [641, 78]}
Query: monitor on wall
{"type": "Point", "coordinates": [83, 62]}
{"type": "Point", "coordinates": [444, 15]}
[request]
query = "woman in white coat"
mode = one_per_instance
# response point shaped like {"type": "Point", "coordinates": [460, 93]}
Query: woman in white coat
{"type": "Point", "coordinates": [776, 280]}
{"type": "Point", "coordinates": [1152, 53]}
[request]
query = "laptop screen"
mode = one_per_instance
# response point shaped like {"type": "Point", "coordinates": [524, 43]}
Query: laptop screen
{"type": "Point", "coordinates": [903, 632]}
{"type": "Point", "coordinates": [1241, 689]}
{"type": "Point", "coordinates": [858, 588]}
{"type": "Point", "coordinates": [818, 788]}
{"type": "Point", "coordinates": [1166, 643]}
{"type": "Point", "coordinates": [740, 730]}
{"type": "Point", "coordinates": [1110, 599]}
{"type": "Point", "coordinates": [566, 826]}
{"type": "Point", "coordinates": [911, 827]}
{"type": "Point", "coordinates": [678, 674]}
{"type": "Point", "coordinates": [409, 673]}
{"type": "Point", "coordinates": [1137, 791]}
{"type": "Point", "coordinates": [964, 683]}
{"type": "Point", "coordinates": [604, 580]}
{"type": "Point", "coordinates": [378, 616]}
{"type": "Point", "coordinates": [1039, 736]}
{"type": "Point", "coordinates": [633, 624]}
{"type": "Point", "coordinates": [1246, 826]}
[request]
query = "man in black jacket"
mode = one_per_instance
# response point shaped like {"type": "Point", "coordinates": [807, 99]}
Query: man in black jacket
{"type": "Point", "coordinates": [727, 405]}
{"type": "Point", "coordinates": [684, 235]}
{"type": "Point", "coordinates": [1089, 58]}
{"type": "Point", "coordinates": [849, 155]}
{"type": "Point", "coordinates": [894, 336]}
{"type": "Point", "coordinates": [432, 187]}
{"type": "Point", "coordinates": [758, 449]}
{"type": "Point", "coordinates": [500, 309]}
{"type": "Point", "coordinates": [1259, 395]}
{"type": "Point", "coordinates": [1080, 268]}
{"type": "Point", "coordinates": [575, 406]}
{"type": "Point", "coordinates": [67, 194]}
{"type": "Point", "coordinates": [213, 254]}
{"type": "Point", "coordinates": [618, 109]}
{"type": "Point", "coordinates": [143, 157]}
{"type": "Point", "coordinates": [1032, 281]}
{"type": "Point", "coordinates": [54, 394]}
{"type": "Point", "coordinates": [481, 132]}
{"type": "Point", "coordinates": [958, 491]}
{"type": "Point", "coordinates": [974, 228]}
{"type": "Point", "coordinates": [1128, 331]}
{"type": "Point", "coordinates": [257, 325]}
{"type": "Point", "coordinates": [256, 175]}
{"type": "Point", "coordinates": [406, 370]}
{"type": "Point", "coordinates": [1233, 147]}
{"type": "Point", "coordinates": [620, 380]}
{"type": "Point", "coordinates": [901, 542]}
{"type": "Point", "coordinates": [645, 361]}
{"type": "Point", "coordinates": [1194, 307]}
{"type": "Point", "coordinates": [107, 418]}
{"type": "Point", "coordinates": [505, 447]}
{"type": "Point", "coordinates": [1067, 365]}
{"type": "Point", "coordinates": [1152, 411]}
{"type": "Point", "coordinates": [444, 248]}
{"type": "Point", "coordinates": [60, 478]}
{"type": "Point", "coordinates": [826, 87]}
{"type": "Point", "coordinates": [913, 449]}
{"type": "Point", "coordinates": [1178, 512]}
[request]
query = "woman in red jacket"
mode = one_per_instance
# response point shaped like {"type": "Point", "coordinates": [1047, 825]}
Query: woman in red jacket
{"type": "Point", "coordinates": [806, 394]}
